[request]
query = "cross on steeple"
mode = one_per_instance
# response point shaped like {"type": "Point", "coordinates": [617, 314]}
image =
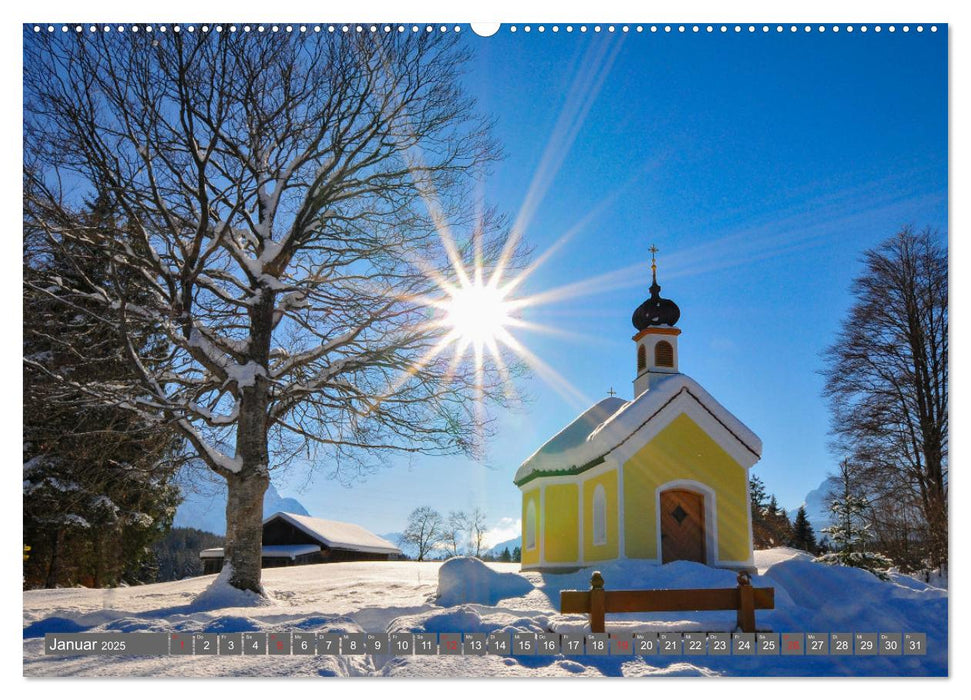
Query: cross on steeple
{"type": "Point", "coordinates": [654, 251]}
{"type": "Point", "coordinates": [611, 393]}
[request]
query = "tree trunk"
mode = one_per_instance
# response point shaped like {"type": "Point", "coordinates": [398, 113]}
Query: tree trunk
{"type": "Point", "coordinates": [52, 568]}
{"type": "Point", "coordinates": [244, 502]}
{"type": "Point", "coordinates": [244, 528]}
{"type": "Point", "coordinates": [98, 562]}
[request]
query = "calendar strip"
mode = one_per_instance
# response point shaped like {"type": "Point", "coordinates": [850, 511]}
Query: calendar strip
{"type": "Point", "coordinates": [495, 643]}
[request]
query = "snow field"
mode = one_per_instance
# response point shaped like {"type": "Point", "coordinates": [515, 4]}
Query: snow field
{"type": "Point", "coordinates": [465, 595]}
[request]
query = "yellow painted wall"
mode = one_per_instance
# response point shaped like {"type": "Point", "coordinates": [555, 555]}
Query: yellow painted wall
{"type": "Point", "coordinates": [531, 556]}
{"type": "Point", "coordinates": [684, 451]}
{"type": "Point", "coordinates": [561, 523]}
{"type": "Point", "coordinates": [608, 550]}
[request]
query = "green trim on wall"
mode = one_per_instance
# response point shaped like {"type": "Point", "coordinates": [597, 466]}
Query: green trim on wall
{"type": "Point", "coordinates": [570, 471]}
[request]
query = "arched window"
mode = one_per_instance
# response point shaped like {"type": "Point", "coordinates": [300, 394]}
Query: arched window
{"type": "Point", "coordinates": [641, 358]}
{"type": "Point", "coordinates": [530, 539]}
{"type": "Point", "coordinates": [599, 515]}
{"type": "Point", "coordinates": [664, 354]}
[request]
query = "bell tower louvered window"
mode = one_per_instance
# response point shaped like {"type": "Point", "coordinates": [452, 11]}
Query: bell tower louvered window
{"type": "Point", "coordinates": [664, 354]}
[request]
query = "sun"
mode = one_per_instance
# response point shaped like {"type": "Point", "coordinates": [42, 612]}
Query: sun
{"type": "Point", "coordinates": [477, 313]}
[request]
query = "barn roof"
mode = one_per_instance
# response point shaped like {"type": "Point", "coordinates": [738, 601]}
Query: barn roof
{"type": "Point", "coordinates": [337, 535]}
{"type": "Point", "coordinates": [606, 425]}
{"type": "Point", "coordinates": [270, 551]}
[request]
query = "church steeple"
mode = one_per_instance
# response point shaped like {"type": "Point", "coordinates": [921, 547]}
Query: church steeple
{"type": "Point", "coordinates": [655, 311]}
{"type": "Point", "coordinates": [657, 336]}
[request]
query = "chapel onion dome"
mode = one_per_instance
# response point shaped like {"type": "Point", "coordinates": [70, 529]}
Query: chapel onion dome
{"type": "Point", "coordinates": [655, 311]}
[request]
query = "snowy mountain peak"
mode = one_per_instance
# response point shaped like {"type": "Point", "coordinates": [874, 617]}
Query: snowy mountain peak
{"type": "Point", "coordinates": [817, 505]}
{"type": "Point", "coordinates": [207, 511]}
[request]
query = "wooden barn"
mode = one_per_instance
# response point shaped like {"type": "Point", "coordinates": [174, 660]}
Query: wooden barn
{"type": "Point", "coordinates": [291, 540]}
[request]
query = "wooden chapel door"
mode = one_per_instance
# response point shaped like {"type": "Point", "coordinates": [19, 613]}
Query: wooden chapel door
{"type": "Point", "coordinates": [682, 526]}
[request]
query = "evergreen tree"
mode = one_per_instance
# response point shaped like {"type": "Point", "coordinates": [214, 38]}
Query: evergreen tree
{"type": "Point", "coordinates": [506, 555]}
{"type": "Point", "coordinates": [851, 533]}
{"type": "Point", "coordinates": [772, 509]}
{"type": "Point", "coordinates": [517, 554]}
{"type": "Point", "coordinates": [760, 532]}
{"type": "Point", "coordinates": [803, 536]}
{"type": "Point", "coordinates": [770, 524]}
{"type": "Point", "coordinates": [756, 495]}
{"type": "Point", "coordinates": [778, 521]}
{"type": "Point", "coordinates": [177, 553]}
{"type": "Point", "coordinates": [96, 480]}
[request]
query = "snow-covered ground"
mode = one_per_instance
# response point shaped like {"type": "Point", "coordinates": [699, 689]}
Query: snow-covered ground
{"type": "Point", "coordinates": [402, 597]}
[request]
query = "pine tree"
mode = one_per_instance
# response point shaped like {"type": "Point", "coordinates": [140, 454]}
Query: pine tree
{"type": "Point", "coordinates": [778, 521]}
{"type": "Point", "coordinates": [761, 538]}
{"type": "Point", "coordinates": [851, 533]}
{"type": "Point", "coordinates": [803, 536]}
{"type": "Point", "coordinates": [177, 553]}
{"type": "Point", "coordinates": [770, 524]}
{"type": "Point", "coordinates": [506, 555]}
{"type": "Point", "coordinates": [756, 495]}
{"type": "Point", "coordinates": [97, 480]}
{"type": "Point", "coordinates": [517, 554]}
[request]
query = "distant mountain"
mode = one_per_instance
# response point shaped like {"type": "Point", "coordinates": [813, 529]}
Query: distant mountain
{"type": "Point", "coordinates": [817, 505]}
{"type": "Point", "coordinates": [207, 511]}
{"type": "Point", "coordinates": [512, 544]}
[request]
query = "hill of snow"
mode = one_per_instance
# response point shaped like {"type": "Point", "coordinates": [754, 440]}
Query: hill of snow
{"type": "Point", "coordinates": [476, 597]}
{"type": "Point", "coordinates": [205, 509]}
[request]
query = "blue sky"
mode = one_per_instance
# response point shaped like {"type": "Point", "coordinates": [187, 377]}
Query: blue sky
{"type": "Point", "coordinates": [761, 165]}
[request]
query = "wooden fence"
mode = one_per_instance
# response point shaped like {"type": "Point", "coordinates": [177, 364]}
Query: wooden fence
{"type": "Point", "coordinates": [597, 602]}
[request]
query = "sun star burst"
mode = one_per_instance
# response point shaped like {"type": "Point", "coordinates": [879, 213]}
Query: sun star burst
{"type": "Point", "coordinates": [477, 313]}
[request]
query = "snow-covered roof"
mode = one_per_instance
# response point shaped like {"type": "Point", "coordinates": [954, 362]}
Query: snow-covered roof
{"type": "Point", "coordinates": [568, 446]}
{"type": "Point", "coordinates": [271, 551]}
{"type": "Point", "coordinates": [609, 423]}
{"type": "Point", "coordinates": [338, 535]}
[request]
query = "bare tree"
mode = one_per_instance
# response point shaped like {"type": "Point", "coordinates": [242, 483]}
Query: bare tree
{"type": "Point", "coordinates": [476, 524]}
{"type": "Point", "coordinates": [887, 381]}
{"type": "Point", "coordinates": [454, 530]}
{"type": "Point", "coordinates": [425, 530]}
{"type": "Point", "coordinates": [282, 200]}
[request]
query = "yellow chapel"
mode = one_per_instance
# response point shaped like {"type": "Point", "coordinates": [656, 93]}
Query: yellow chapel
{"type": "Point", "coordinates": [662, 477]}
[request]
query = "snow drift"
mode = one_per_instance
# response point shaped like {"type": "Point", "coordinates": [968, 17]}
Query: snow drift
{"type": "Point", "coordinates": [469, 580]}
{"type": "Point", "coordinates": [221, 594]}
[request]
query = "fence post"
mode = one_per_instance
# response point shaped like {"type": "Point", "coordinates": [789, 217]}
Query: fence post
{"type": "Point", "coordinates": [598, 603]}
{"type": "Point", "coordinates": [746, 602]}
